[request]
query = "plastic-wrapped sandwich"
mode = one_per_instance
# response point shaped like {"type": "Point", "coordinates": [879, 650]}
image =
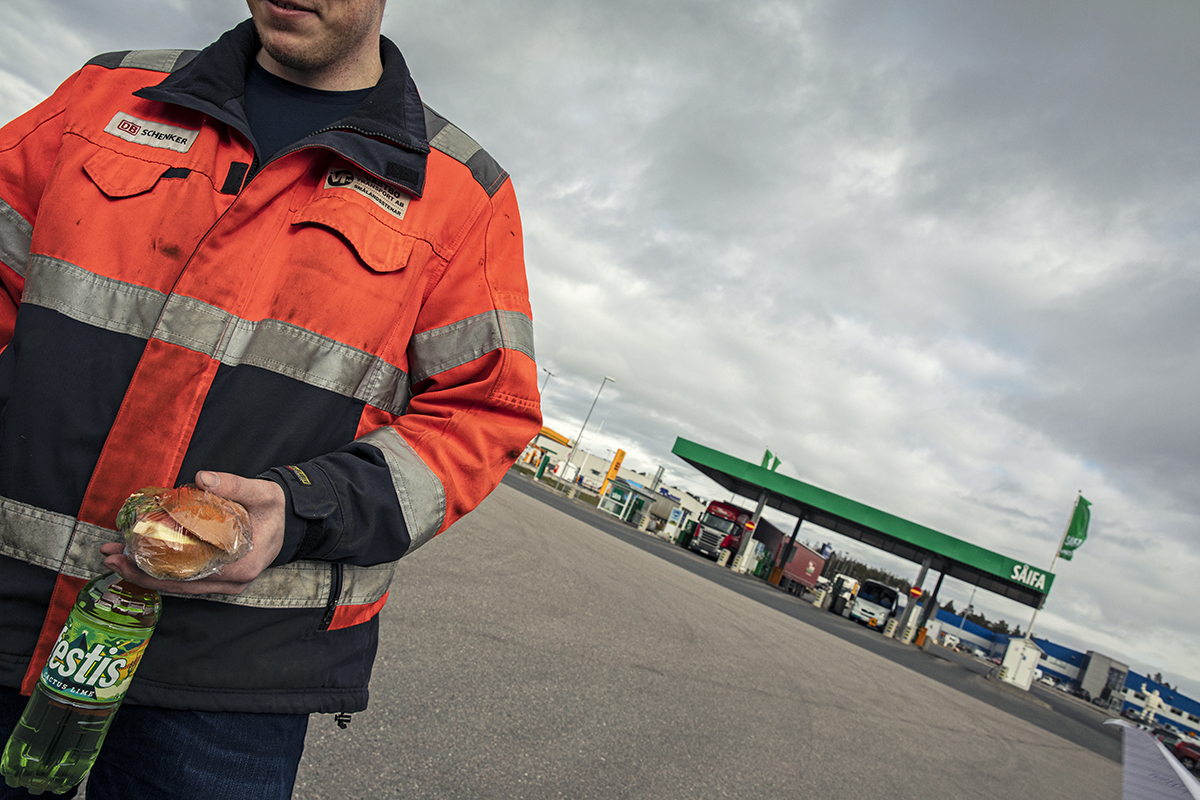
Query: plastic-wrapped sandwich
{"type": "Point", "coordinates": [184, 533]}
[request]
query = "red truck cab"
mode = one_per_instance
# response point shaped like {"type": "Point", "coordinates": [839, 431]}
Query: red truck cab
{"type": "Point", "coordinates": [721, 526]}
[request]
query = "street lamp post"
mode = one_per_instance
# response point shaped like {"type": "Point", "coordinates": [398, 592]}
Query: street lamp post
{"type": "Point", "coordinates": [581, 429]}
{"type": "Point", "coordinates": [970, 607]}
{"type": "Point", "coordinates": [549, 375]}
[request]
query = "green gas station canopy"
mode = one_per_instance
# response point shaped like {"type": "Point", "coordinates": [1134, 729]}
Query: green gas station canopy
{"type": "Point", "coordinates": [970, 563]}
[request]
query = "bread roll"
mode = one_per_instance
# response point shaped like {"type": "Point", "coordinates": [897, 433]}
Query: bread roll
{"type": "Point", "coordinates": [184, 533]}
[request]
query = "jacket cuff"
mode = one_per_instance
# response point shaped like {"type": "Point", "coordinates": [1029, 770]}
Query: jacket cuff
{"type": "Point", "coordinates": [311, 505]}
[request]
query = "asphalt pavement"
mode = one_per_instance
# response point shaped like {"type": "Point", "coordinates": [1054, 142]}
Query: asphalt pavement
{"type": "Point", "coordinates": [541, 649]}
{"type": "Point", "coordinates": [1062, 714]}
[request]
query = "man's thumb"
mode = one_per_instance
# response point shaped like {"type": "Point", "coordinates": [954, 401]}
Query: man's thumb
{"type": "Point", "coordinates": [210, 481]}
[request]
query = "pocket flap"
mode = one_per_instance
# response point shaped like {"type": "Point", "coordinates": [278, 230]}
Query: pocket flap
{"type": "Point", "coordinates": [121, 176]}
{"type": "Point", "coordinates": [379, 246]}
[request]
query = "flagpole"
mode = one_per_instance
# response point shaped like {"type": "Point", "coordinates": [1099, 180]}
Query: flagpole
{"type": "Point", "coordinates": [1053, 561]}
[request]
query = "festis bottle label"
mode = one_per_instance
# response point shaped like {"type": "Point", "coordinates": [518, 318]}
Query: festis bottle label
{"type": "Point", "coordinates": [91, 665]}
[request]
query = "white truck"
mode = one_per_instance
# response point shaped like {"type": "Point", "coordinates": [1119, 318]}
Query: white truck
{"type": "Point", "coordinates": [875, 604]}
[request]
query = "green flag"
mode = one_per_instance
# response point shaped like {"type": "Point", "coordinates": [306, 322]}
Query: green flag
{"type": "Point", "coordinates": [767, 456]}
{"type": "Point", "coordinates": [1077, 530]}
{"type": "Point", "coordinates": [775, 466]}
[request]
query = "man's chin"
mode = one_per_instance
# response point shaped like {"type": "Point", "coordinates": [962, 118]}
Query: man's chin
{"type": "Point", "coordinates": [290, 54]}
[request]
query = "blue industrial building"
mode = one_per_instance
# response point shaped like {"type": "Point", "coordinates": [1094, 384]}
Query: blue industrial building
{"type": "Point", "coordinates": [1168, 707]}
{"type": "Point", "coordinates": [1177, 709]}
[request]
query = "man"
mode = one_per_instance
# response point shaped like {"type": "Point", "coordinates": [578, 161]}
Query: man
{"type": "Point", "coordinates": [267, 268]}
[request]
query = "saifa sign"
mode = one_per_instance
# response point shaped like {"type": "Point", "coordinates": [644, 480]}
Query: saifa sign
{"type": "Point", "coordinates": [1023, 573]}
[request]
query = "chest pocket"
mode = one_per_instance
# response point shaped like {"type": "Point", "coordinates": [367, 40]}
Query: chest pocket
{"type": "Point", "coordinates": [133, 219]}
{"type": "Point", "coordinates": [371, 229]}
{"type": "Point", "coordinates": [119, 176]}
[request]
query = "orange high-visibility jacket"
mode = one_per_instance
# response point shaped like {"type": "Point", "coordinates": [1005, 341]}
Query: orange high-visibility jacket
{"type": "Point", "coordinates": [350, 319]}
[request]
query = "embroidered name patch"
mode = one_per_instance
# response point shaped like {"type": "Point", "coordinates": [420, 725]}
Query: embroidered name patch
{"type": "Point", "coordinates": [154, 134]}
{"type": "Point", "coordinates": [386, 196]}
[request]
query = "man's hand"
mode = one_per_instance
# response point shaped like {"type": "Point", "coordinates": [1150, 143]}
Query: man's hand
{"type": "Point", "coordinates": [265, 502]}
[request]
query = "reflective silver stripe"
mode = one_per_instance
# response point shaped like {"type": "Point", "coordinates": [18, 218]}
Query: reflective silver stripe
{"type": "Point", "coordinates": [286, 349]}
{"type": "Point", "coordinates": [15, 237]}
{"type": "Point", "coordinates": [306, 584]}
{"type": "Point", "coordinates": [102, 302]}
{"type": "Point", "coordinates": [270, 344]}
{"type": "Point", "coordinates": [63, 544]}
{"type": "Point", "coordinates": [434, 122]}
{"type": "Point", "coordinates": [454, 143]}
{"type": "Point", "coordinates": [449, 139]}
{"type": "Point", "coordinates": [435, 351]}
{"type": "Point", "coordinates": [157, 60]}
{"type": "Point", "coordinates": [421, 495]}
{"type": "Point", "coordinates": [53, 541]}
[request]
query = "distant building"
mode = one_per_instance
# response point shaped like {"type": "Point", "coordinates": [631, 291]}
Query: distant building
{"type": "Point", "coordinates": [1097, 675]}
{"type": "Point", "coordinates": [1177, 710]}
{"type": "Point", "coordinates": [990, 643]}
{"type": "Point", "coordinates": [588, 471]}
{"type": "Point", "coordinates": [1062, 664]}
{"type": "Point", "coordinates": [1103, 679]}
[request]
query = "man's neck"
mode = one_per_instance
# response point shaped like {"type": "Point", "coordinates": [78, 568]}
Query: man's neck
{"type": "Point", "coordinates": [347, 76]}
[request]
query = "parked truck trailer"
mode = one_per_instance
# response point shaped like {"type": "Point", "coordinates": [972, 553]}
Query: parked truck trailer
{"type": "Point", "coordinates": [803, 566]}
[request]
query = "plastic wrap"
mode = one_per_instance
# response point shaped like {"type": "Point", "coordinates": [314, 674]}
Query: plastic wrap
{"type": "Point", "coordinates": [184, 533]}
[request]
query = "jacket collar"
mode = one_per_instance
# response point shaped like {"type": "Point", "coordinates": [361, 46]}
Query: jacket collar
{"type": "Point", "coordinates": [385, 135]}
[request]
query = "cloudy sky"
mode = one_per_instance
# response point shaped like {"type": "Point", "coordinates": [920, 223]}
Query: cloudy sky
{"type": "Point", "coordinates": [939, 257]}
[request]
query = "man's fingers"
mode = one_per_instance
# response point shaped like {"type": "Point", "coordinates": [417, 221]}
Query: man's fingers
{"type": "Point", "coordinates": [213, 584]}
{"type": "Point", "coordinates": [264, 501]}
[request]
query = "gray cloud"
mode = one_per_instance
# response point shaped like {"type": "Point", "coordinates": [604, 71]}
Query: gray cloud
{"type": "Point", "coordinates": [938, 257]}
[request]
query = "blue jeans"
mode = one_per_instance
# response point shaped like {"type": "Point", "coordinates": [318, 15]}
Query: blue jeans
{"type": "Point", "coordinates": [156, 753]}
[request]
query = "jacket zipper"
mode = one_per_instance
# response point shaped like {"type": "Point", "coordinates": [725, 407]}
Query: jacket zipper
{"type": "Point", "coordinates": [255, 165]}
{"type": "Point", "coordinates": [335, 594]}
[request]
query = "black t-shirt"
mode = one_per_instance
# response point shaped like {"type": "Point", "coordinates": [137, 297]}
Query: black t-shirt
{"type": "Point", "coordinates": [282, 113]}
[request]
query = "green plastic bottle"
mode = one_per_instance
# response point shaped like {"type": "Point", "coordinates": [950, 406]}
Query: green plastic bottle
{"type": "Point", "coordinates": [84, 680]}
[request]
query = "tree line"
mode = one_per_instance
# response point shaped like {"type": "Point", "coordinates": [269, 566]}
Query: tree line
{"type": "Point", "coordinates": [861, 571]}
{"type": "Point", "coordinates": [998, 626]}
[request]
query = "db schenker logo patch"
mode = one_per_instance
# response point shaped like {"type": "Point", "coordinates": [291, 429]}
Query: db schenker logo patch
{"type": "Point", "coordinates": [151, 134]}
